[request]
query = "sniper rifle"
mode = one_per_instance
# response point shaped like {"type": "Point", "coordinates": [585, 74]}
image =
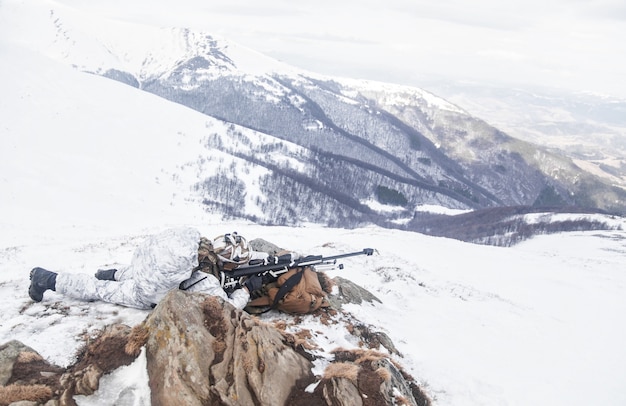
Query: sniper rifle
{"type": "Point", "coordinates": [231, 280]}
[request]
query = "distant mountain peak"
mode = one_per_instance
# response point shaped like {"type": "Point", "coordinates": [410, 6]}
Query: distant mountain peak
{"type": "Point", "coordinates": [278, 145]}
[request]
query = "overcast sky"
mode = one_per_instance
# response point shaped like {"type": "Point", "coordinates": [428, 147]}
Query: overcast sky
{"type": "Point", "coordinates": [573, 44]}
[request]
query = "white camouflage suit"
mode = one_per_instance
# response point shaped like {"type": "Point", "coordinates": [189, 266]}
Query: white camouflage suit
{"type": "Point", "coordinates": [158, 265]}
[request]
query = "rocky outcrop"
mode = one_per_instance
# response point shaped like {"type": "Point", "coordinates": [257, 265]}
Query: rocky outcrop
{"type": "Point", "coordinates": [105, 354]}
{"type": "Point", "coordinates": [261, 245]}
{"type": "Point", "coordinates": [362, 378]}
{"type": "Point", "coordinates": [350, 292]}
{"type": "Point", "coordinates": [25, 375]}
{"type": "Point", "coordinates": [374, 376]}
{"type": "Point", "coordinates": [201, 350]}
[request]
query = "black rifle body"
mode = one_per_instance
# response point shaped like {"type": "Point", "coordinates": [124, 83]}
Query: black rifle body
{"type": "Point", "coordinates": [270, 272]}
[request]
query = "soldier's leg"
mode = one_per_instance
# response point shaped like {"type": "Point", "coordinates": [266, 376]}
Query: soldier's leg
{"type": "Point", "coordinates": [86, 287]}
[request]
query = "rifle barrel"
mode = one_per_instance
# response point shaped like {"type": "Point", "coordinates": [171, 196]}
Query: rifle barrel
{"type": "Point", "coordinates": [308, 260]}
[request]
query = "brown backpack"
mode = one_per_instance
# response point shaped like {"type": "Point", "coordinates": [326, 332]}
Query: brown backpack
{"type": "Point", "coordinates": [298, 291]}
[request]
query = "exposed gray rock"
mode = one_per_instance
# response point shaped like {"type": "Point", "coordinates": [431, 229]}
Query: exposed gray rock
{"type": "Point", "coordinates": [8, 356]}
{"type": "Point", "coordinates": [350, 292]}
{"type": "Point", "coordinates": [341, 392]}
{"type": "Point", "coordinates": [202, 350]}
{"type": "Point", "coordinates": [261, 245]}
{"type": "Point", "coordinates": [395, 384]}
{"type": "Point", "coordinates": [374, 339]}
{"type": "Point", "coordinates": [26, 376]}
{"type": "Point", "coordinates": [370, 378]}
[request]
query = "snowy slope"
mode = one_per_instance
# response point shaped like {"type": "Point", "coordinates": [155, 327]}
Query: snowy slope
{"type": "Point", "coordinates": [97, 42]}
{"type": "Point", "coordinates": [69, 138]}
{"type": "Point", "coordinates": [89, 167]}
{"type": "Point", "coordinates": [540, 323]}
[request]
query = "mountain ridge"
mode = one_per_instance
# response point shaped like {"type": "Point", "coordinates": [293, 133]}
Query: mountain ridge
{"type": "Point", "coordinates": [328, 144]}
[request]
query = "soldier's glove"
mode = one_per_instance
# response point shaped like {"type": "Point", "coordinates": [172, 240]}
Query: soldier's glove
{"type": "Point", "coordinates": [254, 282]}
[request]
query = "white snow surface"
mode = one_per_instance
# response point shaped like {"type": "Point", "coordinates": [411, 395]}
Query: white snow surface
{"type": "Point", "coordinates": [539, 323]}
{"type": "Point", "coordinates": [89, 167]}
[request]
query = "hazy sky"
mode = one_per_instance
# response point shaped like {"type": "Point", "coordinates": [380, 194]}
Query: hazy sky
{"type": "Point", "coordinates": [573, 44]}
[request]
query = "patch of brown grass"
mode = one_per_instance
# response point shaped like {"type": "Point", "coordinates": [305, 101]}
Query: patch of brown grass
{"type": "Point", "coordinates": [358, 355]}
{"type": "Point", "coordinates": [402, 401]}
{"type": "Point", "coordinates": [281, 325]}
{"type": "Point", "coordinates": [370, 355]}
{"type": "Point", "coordinates": [304, 334]}
{"type": "Point", "coordinates": [28, 356]}
{"type": "Point", "coordinates": [34, 393]}
{"type": "Point", "coordinates": [136, 339]}
{"type": "Point", "coordinates": [384, 374]}
{"type": "Point", "coordinates": [327, 316]}
{"type": "Point", "coordinates": [107, 351]}
{"type": "Point", "coordinates": [298, 340]}
{"type": "Point", "coordinates": [342, 370]}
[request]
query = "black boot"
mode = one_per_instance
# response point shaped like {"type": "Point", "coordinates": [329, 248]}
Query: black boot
{"type": "Point", "coordinates": [40, 281]}
{"type": "Point", "coordinates": [106, 274]}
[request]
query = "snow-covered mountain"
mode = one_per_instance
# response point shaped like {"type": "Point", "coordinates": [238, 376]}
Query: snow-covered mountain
{"type": "Point", "coordinates": [588, 128]}
{"type": "Point", "coordinates": [301, 147]}
{"type": "Point", "coordinates": [90, 166]}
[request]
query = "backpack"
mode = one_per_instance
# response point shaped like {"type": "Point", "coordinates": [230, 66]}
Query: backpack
{"type": "Point", "coordinates": [298, 291]}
